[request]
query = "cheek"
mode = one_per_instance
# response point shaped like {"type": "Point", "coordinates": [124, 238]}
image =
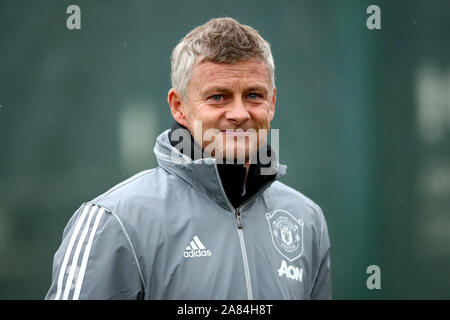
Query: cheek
{"type": "Point", "coordinates": [195, 113]}
{"type": "Point", "coordinates": [261, 116]}
{"type": "Point", "coordinates": [211, 116]}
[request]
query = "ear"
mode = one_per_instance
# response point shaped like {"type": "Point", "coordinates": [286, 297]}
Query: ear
{"type": "Point", "coordinates": [177, 106]}
{"type": "Point", "coordinates": [272, 104]}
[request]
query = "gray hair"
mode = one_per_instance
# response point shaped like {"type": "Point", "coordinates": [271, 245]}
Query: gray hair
{"type": "Point", "coordinates": [218, 40]}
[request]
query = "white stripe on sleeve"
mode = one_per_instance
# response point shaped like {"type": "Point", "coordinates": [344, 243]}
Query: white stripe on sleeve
{"type": "Point", "coordinates": [62, 271]}
{"type": "Point", "coordinates": [80, 279]}
{"type": "Point", "coordinates": [77, 254]}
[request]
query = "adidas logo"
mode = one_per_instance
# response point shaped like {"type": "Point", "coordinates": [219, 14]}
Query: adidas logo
{"type": "Point", "coordinates": [196, 249]}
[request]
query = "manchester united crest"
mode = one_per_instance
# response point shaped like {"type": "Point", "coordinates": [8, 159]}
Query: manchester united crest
{"type": "Point", "coordinates": [287, 233]}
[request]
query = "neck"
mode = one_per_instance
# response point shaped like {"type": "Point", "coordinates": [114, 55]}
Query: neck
{"type": "Point", "coordinates": [233, 177]}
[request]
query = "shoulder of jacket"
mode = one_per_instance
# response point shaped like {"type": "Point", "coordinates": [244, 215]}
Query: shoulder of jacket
{"type": "Point", "coordinates": [132, 191]}
{"type": "Point", "coordinates": [283, 192]}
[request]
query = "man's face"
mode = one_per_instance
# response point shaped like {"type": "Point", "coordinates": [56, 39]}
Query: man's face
{"type": "Point", "coordinates": [228, 97]}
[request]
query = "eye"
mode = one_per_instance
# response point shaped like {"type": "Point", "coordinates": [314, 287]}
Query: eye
{"type": "Point", "coordinates": [253, 96]}
{"type": "Point", "coordinates": [216, 97]}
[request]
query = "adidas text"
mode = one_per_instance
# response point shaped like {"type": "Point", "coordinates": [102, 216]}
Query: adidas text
{"type": "Point", "coordinates": [197, 253]}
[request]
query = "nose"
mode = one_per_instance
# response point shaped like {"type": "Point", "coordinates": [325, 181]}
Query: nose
{"type": "Point", "coordinates": [237, 112]}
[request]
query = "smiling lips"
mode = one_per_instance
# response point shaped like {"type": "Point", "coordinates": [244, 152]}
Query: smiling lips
{"type": "Point", "coordinates": [237, 132]}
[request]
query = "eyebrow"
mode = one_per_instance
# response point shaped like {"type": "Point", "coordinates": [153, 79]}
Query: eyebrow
{"type": "Point", "coordinates": [215, 89]}
{"type": "Point", "coordinates": [256, 88]}
{"type": "Point", "coordinates": [226, 90]}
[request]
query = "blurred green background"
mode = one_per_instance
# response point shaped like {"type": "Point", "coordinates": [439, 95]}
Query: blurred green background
{"type": "Point", "coordinates": [364, 119]}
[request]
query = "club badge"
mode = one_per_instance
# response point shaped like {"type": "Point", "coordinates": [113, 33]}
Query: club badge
{"type": "Point", "coordinates": [287, 233]}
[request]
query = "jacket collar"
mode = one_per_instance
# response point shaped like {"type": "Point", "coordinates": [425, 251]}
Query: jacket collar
{"type": "Point", "coordinates": [202, 173]}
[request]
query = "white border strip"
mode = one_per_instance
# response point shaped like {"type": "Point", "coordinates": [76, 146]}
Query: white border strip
{"type": "Point", "coordinates": [132, 248]}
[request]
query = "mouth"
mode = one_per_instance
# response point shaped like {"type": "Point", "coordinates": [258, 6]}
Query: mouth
{"type": "Point", "coordinates": [233, 132]}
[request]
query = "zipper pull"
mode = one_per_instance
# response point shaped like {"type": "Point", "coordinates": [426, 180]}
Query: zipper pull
{"type": "Point", "coordinates": [238, 217]}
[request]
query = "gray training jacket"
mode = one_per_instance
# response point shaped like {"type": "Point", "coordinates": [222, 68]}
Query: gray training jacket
{"type": "Point", "coordinates": [171, 233]}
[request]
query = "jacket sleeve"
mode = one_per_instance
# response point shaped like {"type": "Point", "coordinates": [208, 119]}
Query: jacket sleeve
{"type": "Point", "coordinates": [95, 260]}
{"type": "Point", "coordinates": [322, 285]}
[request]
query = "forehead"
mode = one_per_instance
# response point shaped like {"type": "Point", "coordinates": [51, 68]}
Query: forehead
{"type": "Point", "coordinates": [252, 72]}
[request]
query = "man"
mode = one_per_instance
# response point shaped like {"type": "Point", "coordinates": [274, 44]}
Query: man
{"type": "Point", "coordinates": [199, 226]}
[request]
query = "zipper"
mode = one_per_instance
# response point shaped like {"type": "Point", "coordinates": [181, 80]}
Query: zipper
{"type": "Point", "coordinates": [238, 218]}
{"type": "Point", "coordinates": [248, 280]}
{"type": "Point", "coordinates": [240, 226]}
